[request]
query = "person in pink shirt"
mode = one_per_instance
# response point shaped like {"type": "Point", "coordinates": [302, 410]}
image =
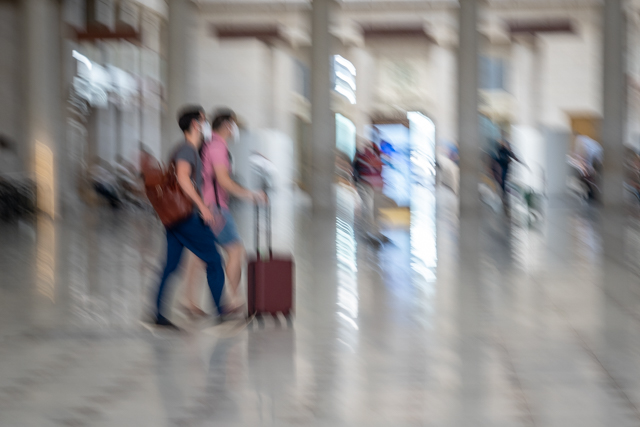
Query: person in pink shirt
{"type": "Point", "coordinates": [218, 185]}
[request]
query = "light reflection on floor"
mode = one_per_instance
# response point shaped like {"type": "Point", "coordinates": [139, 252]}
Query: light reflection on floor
{"type": "Point", "coordinates": [545, 329]}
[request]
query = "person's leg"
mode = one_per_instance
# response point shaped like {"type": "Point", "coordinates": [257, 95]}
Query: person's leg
{"type": "Point", "coordinates": [174, 251]}
{"type": "Point", "coordinates": [192, 283]}
{"type": "Point", "coordinates": [230, 240]}
{"type": "Point", "coordinates": [367, 194]}
{"type": "Point", "coordinates": [199, 239]}
{"type": "Point", "coordinates": [236, 256]}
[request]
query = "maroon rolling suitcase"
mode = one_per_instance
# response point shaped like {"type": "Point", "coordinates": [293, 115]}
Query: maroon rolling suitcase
{"type": "Point", "coordinates": [270, 280]}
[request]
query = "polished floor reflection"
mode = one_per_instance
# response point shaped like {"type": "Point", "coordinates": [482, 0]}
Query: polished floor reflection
{"type": "Point", "coordinates": [455, 322]}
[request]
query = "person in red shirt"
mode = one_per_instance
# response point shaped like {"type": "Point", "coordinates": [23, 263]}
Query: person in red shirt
{"type": "Point", "coordinates": [368, 176]}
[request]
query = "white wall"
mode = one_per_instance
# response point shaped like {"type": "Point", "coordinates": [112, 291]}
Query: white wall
{"type": "Point", "coordinates": [571, 73]}
{"type": "Point", "coordinates": [253, 79]}
{"type": "Point", "coordinates": [405, 75]}
{"type": "Point", "coordinates": [365, 86]}
{"type": "Point", "coordinates": [283, 82]}
{"type": "Point", "coordinates": [411, 74]}
{"type": "Point", "coordinates": [232, 73]}
{"type": "Point", "coordinates": [444, 113]}
{"type": "Point", "coordinates": [529, 146]}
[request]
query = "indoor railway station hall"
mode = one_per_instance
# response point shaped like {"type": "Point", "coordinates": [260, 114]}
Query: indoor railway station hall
{"type": "Point", "coordinates": [319, 213]}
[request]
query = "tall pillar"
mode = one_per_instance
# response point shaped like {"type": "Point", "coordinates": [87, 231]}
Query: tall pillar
{"type": "Point", "coordinates": [150, 85]}
{"type": "Point", "coordinates": [182, 68]}
{"type": "Point", "coordinates": [443, 56]}
{"type": "Point", "coordinates": [525, 135]}
{"type": "Point", "coordinates": [43, 99]}
{"type": "Point", "coordinates": [364, 63]}
{"type": "Point", "coordinates": [322, 118]}
{"type": "Point", "coordinates": [129, 109]}
{"type": "Point", "coordinates": [283, 82]}
{"type": "Point", "coordinates": [468, 106]}
{"type": "Point", "coordinates": [614, 104]}
{"type": "Point", "coordinates": [523, 53]}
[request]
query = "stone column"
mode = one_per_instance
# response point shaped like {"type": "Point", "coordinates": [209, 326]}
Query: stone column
{"type": "Point", "coordinates": [129, 111]}
{"type": "Point", "coordinates": [364, 63]}
{"type": "Point", "coordinates": [614, 104]}
{"type": "Point", "coordinates": [182, 85]}
{"type": "Point", "coordinates": [525, 135]}
{"type": "Point", "coordinates": [283, 82]}
{"type": "Point", "coordinates": [43, 100]}
{"type": "Point", "coordinates": [150, 84]}
{"type": "Point", "coordinates": [614, 107]}
{"type": "Point", "coordinates": [443, 56]}
{"type": "Point", "coordinates": [523, 81]}
{"type": "Point", "coordinates": [322, 118]}
{"type": "Point", "coordinates": [468, 106]}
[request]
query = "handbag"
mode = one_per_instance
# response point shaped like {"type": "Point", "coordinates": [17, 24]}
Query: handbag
{"type": "Point", "coordinates": [163, 191]}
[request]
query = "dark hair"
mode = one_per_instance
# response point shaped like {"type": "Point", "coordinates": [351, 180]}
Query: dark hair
{"type": "Point", "coordinates": [220, 116]}
{"type": "Point", "coordinates": [187, 115]}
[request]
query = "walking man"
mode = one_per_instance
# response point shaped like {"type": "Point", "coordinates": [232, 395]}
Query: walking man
{"type": "Point", "coordinates": [195, 232]}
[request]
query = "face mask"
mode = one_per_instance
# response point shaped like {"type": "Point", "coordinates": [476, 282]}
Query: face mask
{"type": "Point", "coordinates": [206, 131]}
{"type": "Point", "coordinates": [235, 132]}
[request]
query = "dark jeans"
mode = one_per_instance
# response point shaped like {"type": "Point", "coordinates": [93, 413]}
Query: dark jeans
{"type": "Point", "coordinates": [196, 236]}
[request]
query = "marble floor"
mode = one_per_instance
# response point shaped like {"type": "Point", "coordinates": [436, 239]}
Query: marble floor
{"type": "Point", "coordinates": [475, 321]}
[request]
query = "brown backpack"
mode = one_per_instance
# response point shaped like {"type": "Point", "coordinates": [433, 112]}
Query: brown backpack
{"type": "Point", "coordinates": [163, 191]}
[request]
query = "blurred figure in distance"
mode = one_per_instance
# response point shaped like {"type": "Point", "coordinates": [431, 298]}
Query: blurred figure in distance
{"type": "Point", "coordinates": [589, 155]}
{"type": "Point", "coordinates": [367, 171]}
{"type": "Point", "coordinates": [504, 157]}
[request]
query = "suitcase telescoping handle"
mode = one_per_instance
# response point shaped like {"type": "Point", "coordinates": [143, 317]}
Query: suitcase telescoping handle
{"type": "Point", "coordinates": [268, 221]}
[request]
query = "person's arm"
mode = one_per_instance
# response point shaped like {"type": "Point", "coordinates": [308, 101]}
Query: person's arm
{"type": "Point", "coordinates": [232, 187]}
{"type": "Point", "coordinates": [183, 174]}
{"type": "Point", "coordinates": [514, 157]}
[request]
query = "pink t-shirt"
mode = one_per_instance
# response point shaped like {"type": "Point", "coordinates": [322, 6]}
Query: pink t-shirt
{"type": "Point", "coordinates": [216, 153]}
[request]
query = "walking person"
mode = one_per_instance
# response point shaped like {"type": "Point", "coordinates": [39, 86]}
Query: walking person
{"type": "Point", "coordinates": [504, 156]}
{"type": "Point", "coordinates": [195, 232]}
{"type": "Point", "coordinates": [589, 154]}
{"type": "Point", "coordinates": [367, 167]}
{"type": "Point", "coordinates": [218, 185]}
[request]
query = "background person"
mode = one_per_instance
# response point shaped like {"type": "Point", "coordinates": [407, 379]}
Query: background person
{"type": "Point", "coordinates": [367, 170]}
{"type": "Point", "coordinates": [589, 154]}
{"type": "Point", "coordinates": [504, 156]}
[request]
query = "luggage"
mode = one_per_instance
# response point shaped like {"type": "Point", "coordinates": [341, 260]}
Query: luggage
{"type": "Point", "coordinates": [270, 280]}
{"type": "Point", "coordinates": [164, 192]}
